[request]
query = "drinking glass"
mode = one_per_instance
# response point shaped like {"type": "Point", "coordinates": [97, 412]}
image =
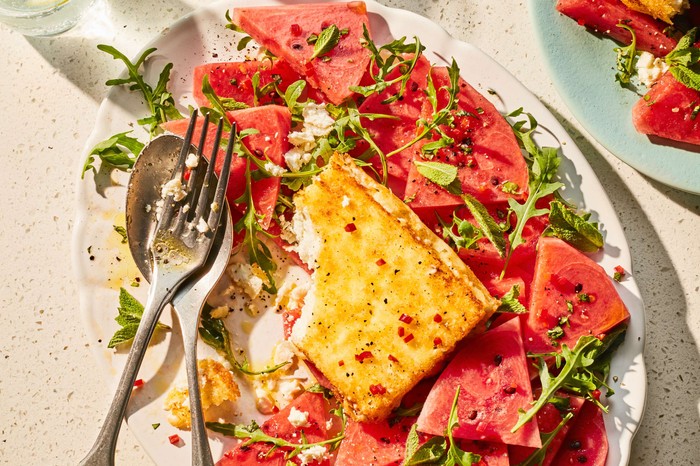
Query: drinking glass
{"type": "Point", "coordinates": [42, 17]}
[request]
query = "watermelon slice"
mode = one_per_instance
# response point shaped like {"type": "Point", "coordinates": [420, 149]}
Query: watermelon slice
{"type": "Point", "coordinates": [391, 134]}
{"type": "Point", "coordinates": [233, 80]}
{"type": "Point", "coordinates": [602, 16]}
{"type": "Point", "coordinates": [548, 419]}
{"type": "Point", "coordinates": [669, 110]}
{"type": "Point", "coordinates": [273, 123]}
{"type": "Point", "coordinates": [491, 370]}
{"type": "Point", "coordinates": [485, 151]}
{"type": "Point", "coordinates": [374, 444]}
{"type": "Point", "coordinates": [280, 426]}
{"type": "Point", "coordinates": [586, 441]}
{"type": "Point", "coordinates": [286, 29]}
{"type": "Point", "coordinates": [572, 292]}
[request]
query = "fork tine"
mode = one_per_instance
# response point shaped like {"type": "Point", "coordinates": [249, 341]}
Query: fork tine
{"type": "Point", "coordinates": [192, 184]}
{"type": "Point", "coordinates": [204, 193]}
{"type": "Point", "coordinates": [222, 187]}
{"type": "Point", "coordinates": [178, 171]}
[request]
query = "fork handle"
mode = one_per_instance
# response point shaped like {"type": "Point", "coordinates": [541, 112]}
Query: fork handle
{"type": "Point", "coordinates": [102, 452]}
{"type": "Point", "coordinates": [189, 323]}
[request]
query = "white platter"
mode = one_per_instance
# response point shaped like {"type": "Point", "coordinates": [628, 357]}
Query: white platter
{"type": "Point", "coordinates": [200, 38]}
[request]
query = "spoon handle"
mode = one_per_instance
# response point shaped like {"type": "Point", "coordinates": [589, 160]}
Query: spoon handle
{"type": "Point", "coordinates": [102, 452]}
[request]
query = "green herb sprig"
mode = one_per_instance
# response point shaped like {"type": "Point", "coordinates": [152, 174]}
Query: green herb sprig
{"type": "Point", "coordinates": [684, 61]}
{"type": "Point", "coordinates": [572, 228]}
{"type": "Point", "coordinates": [215, 334]}
{"type": "Point", "coordinates": [583, 370]}
{"type": "Point", "coordinates": [626, 57]}
{"type": "Point", "coordinates": [130, 314]}
{"type": "Point", "coordinates": [536, 458]}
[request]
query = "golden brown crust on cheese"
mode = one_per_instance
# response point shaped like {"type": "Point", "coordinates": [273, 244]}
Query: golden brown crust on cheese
{"type": "Point", "coordinates": [376, 262]}
{"type": "Point", "coordinates": [664, 10]}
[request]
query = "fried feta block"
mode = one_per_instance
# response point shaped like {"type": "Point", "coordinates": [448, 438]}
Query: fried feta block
{"type": "Point", "coordinates": [389, 299]}
{"type": "Point", "coordinates": [664, 10]}
{"type": "Point", "coordinates": [216, 386]}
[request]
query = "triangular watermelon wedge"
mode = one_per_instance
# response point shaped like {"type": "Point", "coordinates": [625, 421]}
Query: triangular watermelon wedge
{"type": "Point", "coordinates": [668, 110]}
{"type": "Point", "coordinates": [570, 291]}
{"type": "Point", "coordinates": [491, 370]}
{"type": "Point", "coordinates": [273, 123]}
{"type": "Point", "coordinates": [284, 30]}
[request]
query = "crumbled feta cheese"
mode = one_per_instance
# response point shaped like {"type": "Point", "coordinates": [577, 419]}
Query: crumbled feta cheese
{"type": "Point", "coordinates": [202, 226]}
{"type": "Point", "coordinates": [298, 418]}
{"type": "Point", "coordinates": [301, 139]}
{"type": "Point", "coordinates": [345, 202]}
{"type": "Point", "coordinates": [311, 454]}
{"type": "Point", "coordinates": [160, 203]}
{"type": "Point", "coordinates": [329, 424]}
{"type": "Point", "coordinates": [148, 208]}
{"type": "Point", "coordinates": [317, 120]}
{"type": "Point", "coordinates": [284, 352]}
{"type": "Point", "coordinates": [274, 169]}
{"type": "Point", "coordinates": [185, 208]}
{"type": "Point", "coordinates": [650, 68]}
{"type": "Point", "coordinates": [175, 189]}
{"type": "Point", "coordinates": [296, 158]}
{"type": "Point", "coordinates": [288, 390]}
{"type": "Point", "coordinates": [263, 401]}
{"type": "Point", "coordinates": [242, 274]}
{"type": "Point", "coordinates": [214, 206]}
{"type": "Point", "coordinates": [192, 161]}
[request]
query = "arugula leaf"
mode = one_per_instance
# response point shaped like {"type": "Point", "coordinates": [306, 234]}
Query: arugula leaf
{"type": "Point", "coordinates": [625, 58]}
{"type": "Point", "coordinates": [160, 102]}
{"type": "Point", "coordinates": [130, 313]}
{"type": "Point", "coordinates": [119, 151]}
{"type": "Point", "coordinates": [214, 333]}
{"type": "Point", "coordinates": [572, 228]}
{"type": "Point", "coordinates": [467, 236]}
{"type": "Point", "coordinates": [543, 169]}
{"type": "Point", "coordinates": [440, 450]}
{"type": "Point", "coordinates": [252, 433]}
{"type": "Point", "coordinates": [536, 458]}
{"type": "Point", "coordinates": [510, 303]}
{"type": "Point", "coordinates": [584, 370]}
{"type": "Point", "coordinates": [326, 41]}
{"type": "Point", "coordinates": [243, 42]}
{"type": "Point", "coordinates": [222, 104]}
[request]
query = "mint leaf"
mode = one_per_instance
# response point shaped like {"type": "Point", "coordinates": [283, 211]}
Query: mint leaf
{"type": "Point", "coordinates": [686, 76]}
{"type": "Point", "coordinates": [431, 452]}
{"type": "Point", "coordinates": [487, 224]}
{"type": "Point", "coordinates": [572, 228]}
{"type": "Point", "coordinates": [683, 61]}
{"type": "Point", "coordinates": [129, 317]}
{"type": "Point", "coordinates": [442, 174]}
{"type": "Point", "coordinates": [119, 152]}
{"type": "Point", "coordinates": [466, 237]}
{"type": "Point", "coordinates": [326, 41]}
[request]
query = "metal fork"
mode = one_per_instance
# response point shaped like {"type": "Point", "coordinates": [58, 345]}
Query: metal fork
{"type": "Point", "coordinates": [178, 250]}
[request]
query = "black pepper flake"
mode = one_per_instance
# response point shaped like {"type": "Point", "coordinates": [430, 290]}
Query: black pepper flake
{"type": "Point", "coordinates": [498, 359]}
{"type": "Point", "coordinates": [396, 271]}
{"type": "Point", "coordinates": [578, 288]}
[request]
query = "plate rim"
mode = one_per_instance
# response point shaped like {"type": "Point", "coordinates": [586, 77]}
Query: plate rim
{"type": "Point", "coordinates": [83, 190]}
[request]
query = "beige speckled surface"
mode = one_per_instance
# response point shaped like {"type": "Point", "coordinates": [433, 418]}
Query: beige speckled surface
{"type": "Point", "coordinates": [52, 397]}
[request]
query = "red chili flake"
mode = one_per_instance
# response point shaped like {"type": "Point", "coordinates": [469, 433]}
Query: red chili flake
{"type": "Point", "coordinates": [377, 389]}
{"type": "Point", "coordinates": [138, 383]}
{"type": "Point", "coordinates": [186, 175]}
{"type": "Point", "coordinates": [275, 410]}
{"type": "Point", "coordinates": [437, 341]}
{"type": "Point", "coordinates": [295, 29]}
{"type": "Point", "coordinates": [174, 439]}
{"type": "Point", "coordinates": [619, 273]}
{"type": "Point", "coordinates": [381, 262]}
{"type": "Point", "coordinates": [437, 318]}
{"type": "Point", "coordinates": [401, 331]}
{"type": "Point", "coordinates": [406, 319]}
{"type": "Point", "coordinates": [341, 363]}
{"type": "Point", "coordinates": [408, 337]}
{"type": "Point", "coordinates": [392, 358]}
{"type": "Point", "coordinates": [363, 355]}
{"type": "Point", "coordinates": [350, 227]}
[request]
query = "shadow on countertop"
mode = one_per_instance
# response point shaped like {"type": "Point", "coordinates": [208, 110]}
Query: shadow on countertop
{"type": "Point", "coordinates": [75, 55]}
{"type": "Point", "coordinates": [671, 354]}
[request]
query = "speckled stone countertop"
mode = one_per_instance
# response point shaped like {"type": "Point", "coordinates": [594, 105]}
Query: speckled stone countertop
{"type": "Point", "coordinates": [52, 397]}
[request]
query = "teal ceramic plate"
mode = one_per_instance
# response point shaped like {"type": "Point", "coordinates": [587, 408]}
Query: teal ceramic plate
{"type": "Point", "coordinates": [581, 65]}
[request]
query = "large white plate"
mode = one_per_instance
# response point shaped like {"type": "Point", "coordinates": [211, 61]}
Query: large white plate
{"type": "Point", "coordinates": [581, 65]}
{"type": "Point", "coordinates": [103, 264]}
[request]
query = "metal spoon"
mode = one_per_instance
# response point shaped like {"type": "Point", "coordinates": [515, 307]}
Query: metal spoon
{"type": "Point", "coordinates": [151, 170]}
